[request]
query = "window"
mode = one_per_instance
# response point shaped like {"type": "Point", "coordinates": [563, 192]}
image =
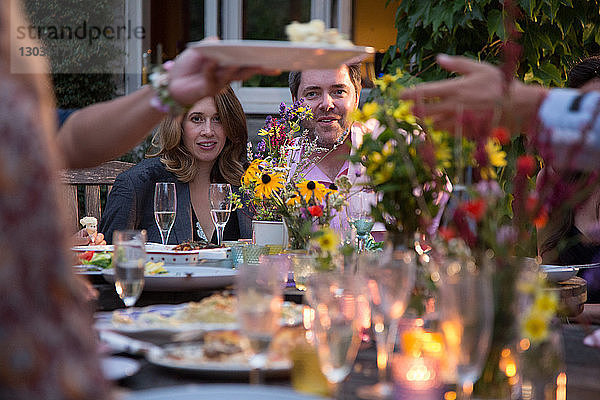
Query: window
{"type": "Point", "coordinates": [264, 20]}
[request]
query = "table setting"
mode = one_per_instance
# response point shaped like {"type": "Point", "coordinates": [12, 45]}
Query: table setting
{"type": "Point", "coordinates": [449, 305]}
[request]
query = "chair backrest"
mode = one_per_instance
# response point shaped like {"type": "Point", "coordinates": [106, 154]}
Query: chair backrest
{"type": "Point", "coordinates": [92, 179]}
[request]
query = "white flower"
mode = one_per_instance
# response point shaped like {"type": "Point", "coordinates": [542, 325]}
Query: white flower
{"type": "Point", "coordinates": [90, 222]}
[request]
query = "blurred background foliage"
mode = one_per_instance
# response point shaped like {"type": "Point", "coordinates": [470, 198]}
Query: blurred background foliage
{"type": "Point", "coordinates": [555, 34]}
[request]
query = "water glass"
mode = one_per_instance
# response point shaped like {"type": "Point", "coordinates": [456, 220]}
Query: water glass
{"type": "Point", "coordinates": [165, 208]}
{"type": "Point", "coordinates": [359, 215]}
{"type": "Point", "coordinates": [219, 195]}
{"type": "Point", "coordinates": [129, 259]}
{"type": "Point", "coordinates": [260, 295]}
{"type": "Point", "coordinates": [335, 297]}
{"type": "Point", "coordinates": [467, 316]}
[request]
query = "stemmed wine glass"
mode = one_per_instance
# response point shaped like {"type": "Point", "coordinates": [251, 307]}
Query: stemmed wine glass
{"type": "Point", "coordinates": [260, 295]}
{"type": "Point", "coordinates": [219, 195]}
{"type": "Point", "coordinates": [389, 279]}
{"type": "Point", "coordinates": [129, 258]}
{"type": "Point", "coordinates": [336, 298]}
{"type": "Point", "coordinates": [359, 215]}
{"type": "Point", "coordinates": [165, 208]}
{"type": "Point", "coordinates": [467, 317]}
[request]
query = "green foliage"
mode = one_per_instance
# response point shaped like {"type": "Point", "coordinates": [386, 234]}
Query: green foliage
{"type": "Point", "coordinates": [555, 34]}
{"type": "Point", "coordinates": [92, 58]}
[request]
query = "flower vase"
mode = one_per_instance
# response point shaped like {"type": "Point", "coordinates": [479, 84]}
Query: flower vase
{"type": "Point", "coordinates": [499, 378]}
{"type": "Point", "coordinates": [269, 233]}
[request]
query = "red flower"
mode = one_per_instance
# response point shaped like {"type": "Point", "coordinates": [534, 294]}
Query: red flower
{"type": "Point", "coordinates": [447, 232]}
{"type": "Point", "coordinates": [541, 219]}
{"type": "Point", "coordinates": [315, 211]}
{"type": "Point", "coordinates": [501, 134]}
{"type": "Point", "coordinates": [525, 165]}
{"type": "Point", "coordinates": [474, 208]}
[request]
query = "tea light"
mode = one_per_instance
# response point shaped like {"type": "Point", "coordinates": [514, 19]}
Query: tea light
{"type": "Point", "coordinates": [416, 378]}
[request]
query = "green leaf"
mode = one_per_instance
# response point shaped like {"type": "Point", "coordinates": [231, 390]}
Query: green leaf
{"type": "Point", "coordinates": [495, 25]}
{"type": "Point", "coordinates": [552, 72]}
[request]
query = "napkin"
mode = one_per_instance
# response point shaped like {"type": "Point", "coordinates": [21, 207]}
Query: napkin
{"type": "Point", "coordinates": [593, 340]}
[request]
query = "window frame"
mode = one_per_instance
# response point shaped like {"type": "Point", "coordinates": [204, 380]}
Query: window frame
{"type": "Point", "coordinates": [266, 100]}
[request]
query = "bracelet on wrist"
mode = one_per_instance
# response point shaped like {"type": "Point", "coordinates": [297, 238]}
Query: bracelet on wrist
{"type": "Point", "coordinates": [162, 101]}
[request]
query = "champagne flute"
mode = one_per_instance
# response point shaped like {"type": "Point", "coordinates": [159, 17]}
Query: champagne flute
{"type": "Point", "coordinates": [219, 195]}
{"type": "Point", "coordinates": [129, 259]}
{"type": "Point", "coordinates": [336, 298]}
{"type": "Point", "coordinates": [359, 216]}
{"type": "Point", "coordinates": [260, 295]}
{"type": "Point", "coordinates": [165, 208]}
{"type": "Point", "coordinates": [390, 278]}
{"type": "Point", "coordinates": [467, 317]}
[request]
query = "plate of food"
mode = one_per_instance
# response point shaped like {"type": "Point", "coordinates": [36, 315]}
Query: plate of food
{"type": "Point", "coordinates": [282, 55]}
{"type": "Point", "coordinates": [184, 253]}
{"type": "Point", "coordinates": [216, 312]}
{"type": "Point", "coordinates": [177, 277]}
{"type": "Point", "coordinates": [223, 354]}
{"type": "Point", "coordinates": [94, 248]}
{"type": "Point", "coordinates": [559, 273]}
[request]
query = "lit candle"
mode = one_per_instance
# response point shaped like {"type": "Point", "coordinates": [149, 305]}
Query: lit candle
{"type": "Point", "coordinates": [416, 378]}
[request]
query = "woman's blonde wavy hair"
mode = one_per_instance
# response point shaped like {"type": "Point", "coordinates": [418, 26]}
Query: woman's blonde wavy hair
{"type": "Point", "coordinates": [230, 164]}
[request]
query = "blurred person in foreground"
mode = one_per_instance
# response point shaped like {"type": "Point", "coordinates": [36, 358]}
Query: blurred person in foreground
{"type": "Point", "coordinates": [48, 344]}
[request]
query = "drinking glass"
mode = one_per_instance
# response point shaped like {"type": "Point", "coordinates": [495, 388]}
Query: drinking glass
{"type": "Point", "coordinates": [260, 295]}
{"type": "Point", "coordinates": [165, 208]}
{"type": "Point", "coordinates": [335, 297]}
{"type": "Point", "coordinates": [129, 258]}
{"type": "Point", "coordinates": [359, 215]}
{"type": "Point", "coordinates": [390, 278]}
{"type": "Point", "coordinates": [219, 195]}
{"type": "Point", "coordinates": [467, 316]}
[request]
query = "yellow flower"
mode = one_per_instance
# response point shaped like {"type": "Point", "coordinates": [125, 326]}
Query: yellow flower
{"type": "Point", "coordinates": [384, 174]}
{"type": "Point", "coordinates": [357, 115]}
{"type": "Point", "coordinates": [535, 327]}
{"type": "Point", "coordinates": [545, 303]}
{"type": "Point", "coordinates": [495, 154]}
{"type": "Point", "coordinates": [488, 173]}
{"type": "Point", "coordinates": [443, 154]}
{"type": "Point", "coordinates": [253, 172]}
{"type": "Point", "coordinates": [369, 109]}
{"type": "Point", "coordinates": [402, 112]}
{"type": "Point", "coordinates": [328, 241]}
{"type": "Point", "coordinates": [309, 188]}
{"type": "Point", "coordinates": [267, 184]}
{"type": "Point", "coordinates": [386, 80]}
{"type": "Point", "coordinates": [293, 200]}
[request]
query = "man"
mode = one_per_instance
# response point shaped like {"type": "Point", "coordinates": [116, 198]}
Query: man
{"type": "Point", "coordinates": [332, 94]}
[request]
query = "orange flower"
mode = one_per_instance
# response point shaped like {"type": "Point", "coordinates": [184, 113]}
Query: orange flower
{"type": "Point", "coordinates": [525, 165]}
{"type": "Point", "coordinates": [315, 211]}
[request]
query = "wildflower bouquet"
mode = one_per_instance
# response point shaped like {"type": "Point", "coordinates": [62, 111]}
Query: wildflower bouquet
{"type": "Point", "coordinates": [274, 185]}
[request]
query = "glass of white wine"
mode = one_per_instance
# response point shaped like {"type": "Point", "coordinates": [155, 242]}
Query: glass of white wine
{"type": "Point", "coordinates": [165, 208]}
{"type": "Point", "coordinates": [336, 298]}
{"type": "Point", "coordinates": [259, 292]}
{"type": "Point", "coordinates": [129, 259]}
{"type": "Point", "coordinates": [219, 195]}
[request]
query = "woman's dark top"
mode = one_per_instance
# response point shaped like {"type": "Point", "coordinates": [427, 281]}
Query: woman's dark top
{"type": "Point", "coordinates": [574, 250]}
{"type": "Point", "coordinates": [130, 205]}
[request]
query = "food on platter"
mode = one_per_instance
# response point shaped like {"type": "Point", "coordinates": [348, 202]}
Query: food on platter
{"type": "Point", "coordinates": [98, 261]}
{"type": "Point", "coordinates": [220, 308]}
{"type": "Point", "coordinates": [221, 345]}
{"type": "Point", "coordinates": [198, 245]}
{"type": "Point", "coordinates": [315, 32]}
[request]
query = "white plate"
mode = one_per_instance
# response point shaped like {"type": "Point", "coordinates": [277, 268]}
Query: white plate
{"type": "Point", "coordinates": [83, 270]}
{"type": "Point", "coordinates": [115, 368]}
{"type": "Point", "coordinates": [559, 273]}
{"type": "Point", "coordinates": [147, 320]}
{"type": "Point", "coordinates": [220, 392]}
{"type": "Point", "coordinates": [188, 357]}
{"type": "Point", "coordinates": [184, 278]}
{"type": "Point", "coordinates": [106, 247]}
{"type": "Point", "coordinates": [283, 55]}
{"type": "Point", "coordinates": [157, 252]}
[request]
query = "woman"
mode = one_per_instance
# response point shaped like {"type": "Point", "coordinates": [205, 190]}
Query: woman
{"type": "Point", "coordinates": [207, 145]}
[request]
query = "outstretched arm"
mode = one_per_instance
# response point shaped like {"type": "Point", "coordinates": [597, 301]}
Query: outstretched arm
{"type": "Point", "coordinates": [106, 130]}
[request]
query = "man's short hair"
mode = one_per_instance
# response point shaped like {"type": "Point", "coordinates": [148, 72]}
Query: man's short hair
{"type": "Point", "coordinates": [353, 70]}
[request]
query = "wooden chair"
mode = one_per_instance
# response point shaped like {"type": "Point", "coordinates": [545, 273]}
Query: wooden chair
{"type": "Point", "coordinates": [92, 179]}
